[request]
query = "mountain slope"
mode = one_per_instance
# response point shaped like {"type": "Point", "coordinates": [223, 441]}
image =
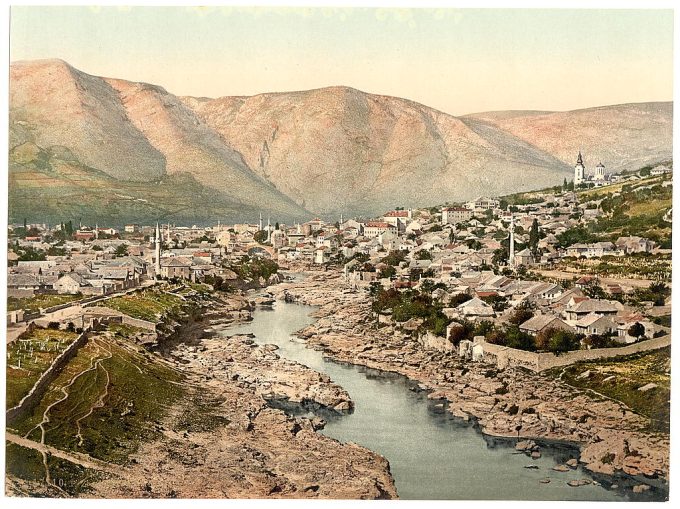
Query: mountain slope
{"type": "Point", "coordinates": [339, 149]}
{"type": "Point", "coordinates": [128, 132]}
{"type": "Point", "coordinates": [51, 103]}
{"type": "Point", "coordinates": [625, 136]}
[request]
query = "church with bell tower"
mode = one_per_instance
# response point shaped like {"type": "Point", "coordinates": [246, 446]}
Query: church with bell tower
{"type": "Point", "coordinates": [579, 171]}
{"type": "Point", "coordinates": [599, 179]}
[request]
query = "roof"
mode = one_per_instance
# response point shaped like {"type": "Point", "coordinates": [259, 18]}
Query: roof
{"type": "Point", "coordinates": [591, 319]}
{"type": "Point", "coordinates": [539, 322]}
{"type": "Point", "coordinates": [75, 277]}
{"type": "Point", "coordinates": [396, 213]}
{"type": "Point", "coordinates": [594, 306]}
{"type": "Point", "coordinates": [378, 224]}
{"type": "Point", "coordinates": [175, 262]}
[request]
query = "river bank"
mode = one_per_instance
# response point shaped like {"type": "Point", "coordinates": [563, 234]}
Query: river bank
{"type": "Point", "coordinates": [510, 403]}
{"type": "Point", "coordinates": [225, 439]}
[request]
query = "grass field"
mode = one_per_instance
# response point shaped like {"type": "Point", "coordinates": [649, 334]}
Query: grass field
{"type": "Point", "coordinates": [620, 379]}
{"type": "Point", "coordinates": [106, 400]}
{"type": "Point", "coordinates": [29, 357]}
{"type": "Point", "coordinates": [27, 464]}
{"type": "Point", "coordinates": [36, 302]}
{"type": "Point", "coordinates": [589, 194]}
{"type": "Point", "coordinates": [149, 304]}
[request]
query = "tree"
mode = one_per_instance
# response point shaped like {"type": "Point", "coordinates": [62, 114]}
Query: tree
{"type": "Point", "coordinates": [500, 256]}
{"type": "Point", "coordinates": [534, 237]}
{"type": "Point", "coordinates": [387, 272]}
{"type": "Point", "coordinates": [563, 341]}
{"type": "Point", "coordinates": [260, 237]}
{"type": "Point", "coordinates": [423, 255]}
{"type": "Point", "coordinates": [121, 250]}
{"type": "Point", "coordinates": [636, 330]}
{"type": "Point", "coordinates": [522, 313]}
{"type": "Point", "coordinates": [394, 257]}
{"type": "Point", "coordinates": [69, 229]}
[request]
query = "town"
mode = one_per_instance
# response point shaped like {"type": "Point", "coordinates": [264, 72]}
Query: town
{"type": "Point", "coordinates": [524, 272]}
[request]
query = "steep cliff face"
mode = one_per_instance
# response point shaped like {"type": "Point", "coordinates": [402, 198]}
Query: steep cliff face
{"type": "Point", "coordinates": [190, 146]}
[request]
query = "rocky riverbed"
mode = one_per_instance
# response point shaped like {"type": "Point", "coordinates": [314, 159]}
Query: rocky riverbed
{"type": "Point", "coordinates": [227, 441]}
{"type": "Point", "coordinates": [508, 403]}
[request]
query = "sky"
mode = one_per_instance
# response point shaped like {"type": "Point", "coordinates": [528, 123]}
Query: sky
{"type": "Point", "coordinates": [456, 60]}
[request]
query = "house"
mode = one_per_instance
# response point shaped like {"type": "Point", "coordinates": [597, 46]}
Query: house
{"type": "Point", "coordinates": [634, 244]}
{"type": "Point", "coordinates": [455, 215]}
{"type": "Point", "coordinates": [539, 323]}
{"type": "Point", "coordinates": [600, 307]}
{"type": "Point", "coordinates": [524, 257]}
{"type": "Point", "coordinates": [70, 283]}
{"type": "Point", "coordinates": [482, 203]}
{"type": "Point", "coordinates": [175, 267]}
{"type": "Point", "coordinates": [594, 323]}
{"type": "Point", "coordinates": [596, 250]}
{"type": "Point", "coordinates": [322, 255]}
{"type": "Point", "coordinates": [476, 308]}
{"type": "Point", "coordinates": [131, 228]}
{"type": "Point", "coordinates": [374, 228]}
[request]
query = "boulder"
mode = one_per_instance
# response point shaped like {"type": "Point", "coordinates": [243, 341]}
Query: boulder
{"type": "Point", "coordinates": [648, 387]}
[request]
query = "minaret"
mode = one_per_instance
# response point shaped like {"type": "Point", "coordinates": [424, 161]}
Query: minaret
{"type": "Point", "coordinates": [511, 258]}
{"type": "Point", "coordinates": [157, 241]}
{"type": "Point", "coordinates": [260, 228]}
{"type": "Point", "coordinates": [269, 229]}
{"type": "Point", "coordinates": [96, 231]}
{"type": "Point", "coordinates": [341, 221]}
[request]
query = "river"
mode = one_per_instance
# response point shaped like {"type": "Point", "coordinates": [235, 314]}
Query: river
{"type": "Point", "coordinates": [432, 455]}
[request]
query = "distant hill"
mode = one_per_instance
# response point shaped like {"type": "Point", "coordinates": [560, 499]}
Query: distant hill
{"type": "Point", "coordinates": [104, 147]}
{"type": "Point", "coordinates": [622, 137]}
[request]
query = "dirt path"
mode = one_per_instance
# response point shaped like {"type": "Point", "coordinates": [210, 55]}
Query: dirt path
{"type": "Point", "coordinates": [74, 457]}
{"type": "Point", "coordinates": [95, 363]}
{"type": "Point", "coordinates": [563, 274]}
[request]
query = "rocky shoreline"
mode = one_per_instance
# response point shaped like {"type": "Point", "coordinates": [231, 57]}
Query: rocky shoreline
{"type": "Point", "coordinates": [227, 439]}
{"type": "Point", "coordinates": [511, 403]}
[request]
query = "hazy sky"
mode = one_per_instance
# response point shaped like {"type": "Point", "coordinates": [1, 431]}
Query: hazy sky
{"type": "Point", "coordinates": [457, 60]}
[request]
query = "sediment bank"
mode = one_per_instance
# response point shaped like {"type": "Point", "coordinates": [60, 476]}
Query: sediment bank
{"type": "Point", "coordinates": [227, 441]}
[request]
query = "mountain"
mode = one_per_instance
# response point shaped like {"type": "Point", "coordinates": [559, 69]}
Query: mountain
{"type": "Point", "coordinates": [109, 149]}
{"type": "Point", "coordinates": [338, 148]}
{"type": "Point", "coordinates": [116, 151]}
{"type": "Point", "coordinates": [623, 137]}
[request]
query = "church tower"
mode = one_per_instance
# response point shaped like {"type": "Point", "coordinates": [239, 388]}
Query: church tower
{"type": "Point", "coordinates": [579, 171]}
{"type": "Point", "coordinates": [599, 172]}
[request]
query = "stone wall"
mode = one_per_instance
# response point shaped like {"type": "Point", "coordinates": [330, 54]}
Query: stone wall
{"type": "Point", "coordinates": [432, 342]}
{"type": "Point", "coordinates": [36, 393]}
{"type": "Point", "coordinates": [503, 356]}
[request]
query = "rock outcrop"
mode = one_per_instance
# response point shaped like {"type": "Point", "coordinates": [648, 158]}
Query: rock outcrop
{"type": "Point", "coordinates": [508, 403]}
